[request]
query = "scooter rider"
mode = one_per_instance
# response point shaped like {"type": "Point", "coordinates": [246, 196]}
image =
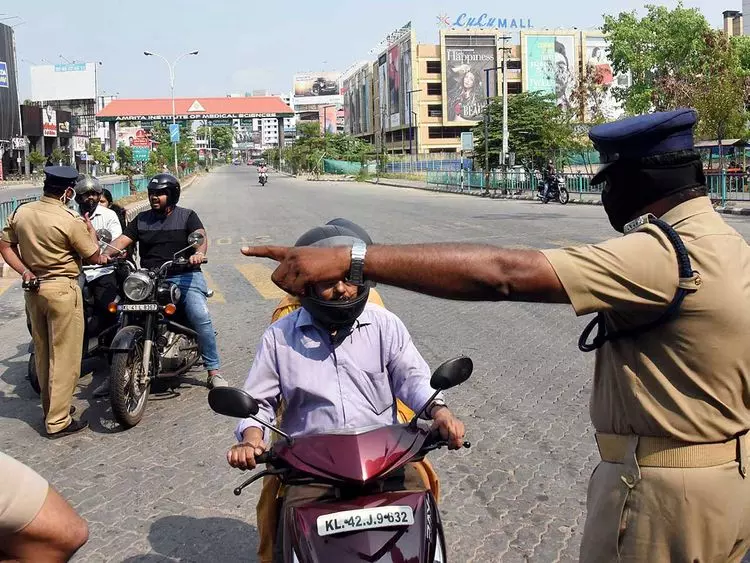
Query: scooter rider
{"type": "Point", "coordinates": [262, 171]}
{"type": "Point", "coordinates": [337, 362]}
{"type": "Point", "coordinates": [100, 279]}
{"type": "Point", "coordinates": [160, 232]}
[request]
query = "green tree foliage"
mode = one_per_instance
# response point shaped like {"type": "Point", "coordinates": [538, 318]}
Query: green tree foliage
{"type": "Point", "coordinates": [537, 130]}
{"type": "Point", "coordinates": [663, 43]}
{"type": "Point", "coordinates": [36, 159]}
{"type": "Point", "coordinates": [222, 137]}
{"type": "Point", "coordinates": [308, 151]}
{"type": "Point", "coordinates": [59, 156]}
{"type": "Point", "coordinates": [124, 156]}
{"type": "Point", "coordinates": [163, 153]}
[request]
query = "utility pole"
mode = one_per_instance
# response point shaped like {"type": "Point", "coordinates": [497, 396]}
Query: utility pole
{"type": "Point", "coordinates": [505, 107]}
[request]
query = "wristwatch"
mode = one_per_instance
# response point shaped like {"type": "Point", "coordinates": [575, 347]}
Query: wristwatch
{"type": "Point", "coordinates": [357, 268]}
{"type": "Point", "coordinates": [436, 403]}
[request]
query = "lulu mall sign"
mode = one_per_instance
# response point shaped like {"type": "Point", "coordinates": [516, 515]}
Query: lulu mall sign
{"type": "Point", "coordinates": [483, 21]}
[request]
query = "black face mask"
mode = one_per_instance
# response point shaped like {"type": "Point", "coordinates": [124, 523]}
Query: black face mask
{"type": "Point", "coordinates": [632, 186]}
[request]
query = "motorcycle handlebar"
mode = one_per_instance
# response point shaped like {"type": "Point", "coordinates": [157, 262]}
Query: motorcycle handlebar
{"type": "Point", "coordinates": [265, 457]}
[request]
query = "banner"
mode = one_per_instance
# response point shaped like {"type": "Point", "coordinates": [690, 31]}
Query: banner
{"type": "Point", "coordinates": [63, 82]}
{"type": "Point", "coordinates": [394, 85]}
{"type": "Point", "coordinates": [551, 66]}
{"type": "Point", "coordinates": [317, 88]}
{"type": "Point", "coordinates": [599, 67]}
{"type": "Point", "coordinates": [49, 122]}
{"type": "Point", "coordinates": [464, 87]}
{"type": "Point", "coordinates": [382, 93]}
{"type": "Point", "coordinates": [79, 143]}
{"type": "Point", "coordinates": [10, 123]}
{"type": "Point", "coordinates": [327, 119]}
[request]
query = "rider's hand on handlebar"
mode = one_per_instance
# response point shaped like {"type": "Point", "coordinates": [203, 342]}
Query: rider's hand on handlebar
{"type": "Point", "coordinates": [451, 429]}
{"type": "Point", "coordinates": [242, 455]}
{"type": "Point", "coordinates": [197, 259]}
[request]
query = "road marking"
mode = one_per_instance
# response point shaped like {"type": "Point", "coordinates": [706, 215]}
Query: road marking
{"type": "Point", "coordinates": [218, 296]}
{"type": "Point", "coordinates": [259, 277]}
{"type": "Point", "coordinates": [6, 284]}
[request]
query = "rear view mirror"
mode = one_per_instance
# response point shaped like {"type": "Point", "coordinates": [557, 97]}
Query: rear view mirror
{"type": "Point", "coordinates": [451, 373]}
{"type": "Point", "coordinates": [104, 235]}
{"type": "Point", "coordinates": [233, 402]}
{"type": "Point", "coordinates": [195, 239]}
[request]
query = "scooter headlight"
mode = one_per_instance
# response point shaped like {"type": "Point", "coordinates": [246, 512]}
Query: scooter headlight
{"type": "Point", "coordinates": [137, 286]}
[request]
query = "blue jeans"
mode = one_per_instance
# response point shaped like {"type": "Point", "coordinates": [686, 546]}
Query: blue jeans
{"type": "Point", "coordinates": [194, 294]}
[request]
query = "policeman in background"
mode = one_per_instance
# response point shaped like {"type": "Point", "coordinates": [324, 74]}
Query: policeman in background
{"type": "Point", "coordinates": [44, 242]}
{"type": "Point", "coordinates": [670, 399]}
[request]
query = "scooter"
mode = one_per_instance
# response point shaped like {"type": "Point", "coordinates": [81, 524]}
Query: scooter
{"type": "Point", "coordinates": [263, 178]}
{"type": "Point", "coordinates": [362, 521]}
{"type": "Point", "coordinates": [96, 336]}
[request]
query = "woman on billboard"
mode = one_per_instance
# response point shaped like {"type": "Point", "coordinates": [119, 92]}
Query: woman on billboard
{"type": "Point", "coordinates": [465, 103]}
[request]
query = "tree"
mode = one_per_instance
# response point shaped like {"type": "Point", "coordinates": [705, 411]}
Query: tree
{"type": "Point", "coordinates": [36, 159]}
{"type": "Point", "coordinates": [124, 156]}
{"type": "Point", "coordinates": [537, 130]}
{"type": "Point", "coordinates": [59, 156]}
{"type": "Point", "coordinates": [222, 137]}
{"type": "Point", "coordinates": [661, 44]}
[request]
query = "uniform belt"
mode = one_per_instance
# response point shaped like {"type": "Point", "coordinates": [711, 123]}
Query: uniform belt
{"type": "Point", "coordinates": [668, 452]}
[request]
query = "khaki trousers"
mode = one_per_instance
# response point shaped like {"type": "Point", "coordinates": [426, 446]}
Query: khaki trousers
{"type": "Point", "coordinates": [658, 514]}
{"type": "Point", "coordinates": [56, 315]}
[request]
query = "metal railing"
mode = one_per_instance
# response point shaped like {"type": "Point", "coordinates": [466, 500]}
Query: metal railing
{"type": "Point", "coordinates": [119, 189]}
{"type": "Point", "coordinates": [514, 182]}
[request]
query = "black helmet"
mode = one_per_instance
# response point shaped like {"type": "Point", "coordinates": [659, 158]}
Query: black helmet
{"type": "Point", "coordinates": [169, 183]}
{"type": "Point", "coordinates": [335, 314]}
{"type": "Point", "coordinates": [86, 184]}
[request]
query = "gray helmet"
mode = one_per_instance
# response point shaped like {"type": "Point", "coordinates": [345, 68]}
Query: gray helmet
{"type": "Point", "coordinates": [86, 184]}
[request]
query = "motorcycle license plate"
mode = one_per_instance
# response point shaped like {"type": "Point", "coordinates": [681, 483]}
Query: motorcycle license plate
{"type": "Point", "coordinates": [139, 307]}
{"type": "Point", "coordinates": [365, 519]}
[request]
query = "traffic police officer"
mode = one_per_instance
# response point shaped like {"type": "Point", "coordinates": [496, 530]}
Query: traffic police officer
{"type": "Point", "coordinates": [44, 242]}
{"type": "Point", "coordinates": [671, 393]}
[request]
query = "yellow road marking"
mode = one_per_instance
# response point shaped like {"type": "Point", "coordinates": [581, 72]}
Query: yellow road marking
{"type": "Point", "coordinates": [218, 296]}
{"type": "Point", "coordinates": [259, 277]}
{"type": "Point", "coordinates": [6, 284]}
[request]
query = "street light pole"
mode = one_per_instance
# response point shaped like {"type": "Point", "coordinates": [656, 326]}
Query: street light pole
{"type": "Point", "coordinates": [171, 67]}
{"type": "Point", "coordinates": [486, 127]}
{"type": "Point", "coordinates": [411, 127]}
{"type": "Point", "coordinates": [505, 106]}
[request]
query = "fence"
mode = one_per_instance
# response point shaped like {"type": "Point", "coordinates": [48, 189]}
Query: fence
{"type": "Point", "coordinates": [514, 182]}
{"type": "Point", "coordinates": [119, 190]}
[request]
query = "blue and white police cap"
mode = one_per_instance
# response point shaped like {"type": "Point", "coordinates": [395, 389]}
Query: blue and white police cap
{"type": "Point", "coordinates": [60, 176]}
{"type": "Point", "coordinates": [642, 136]}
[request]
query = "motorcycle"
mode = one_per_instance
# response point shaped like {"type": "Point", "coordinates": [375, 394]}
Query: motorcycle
{"type": "Point", "coordinates": [154, 340]}
{"type": "Point", "coordinates": [263, 178]}
{"type": "Point", "coordinates": [97, 335]}
{"type": "Point", "coordinates": [362, 520]}
{"type": "Point", "coordinates": [557, 191]}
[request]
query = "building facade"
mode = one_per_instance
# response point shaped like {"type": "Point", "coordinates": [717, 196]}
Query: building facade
{"type": "Point", "coordinates": [419, 98]}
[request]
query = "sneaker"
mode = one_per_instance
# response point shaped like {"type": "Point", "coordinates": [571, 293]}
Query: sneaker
{"type": "Point", "coordinates": [102, 390]}
{"type": "Point", "coordinates": [74, 427]}
{"type": "Point", "coordinates": [215, 381]}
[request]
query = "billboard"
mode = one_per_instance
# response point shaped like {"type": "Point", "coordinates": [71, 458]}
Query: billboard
{"type": "Point", "coordinates": [597, 63]}
{"type": "Point", "coordinates": [550, 65]}
{"type": "Point", "coordinates": [395, 79]}
{"type": "Point", "coordinates": [49, 122]}
{"type": "Point", "coordinates": [63, 123]}
{"type": "Point", "coordinates": [10, 122]}
{"type": "Point", "coordinates": [464, 89]}
{"type": "Point", "coordinates": [317, 88]}
{"type": "Point", "coordinates": [327, 119]}
{"type": "Point", "coordinates": [63, 82]}
{"type": "Point", "coordinates": [357, 90]}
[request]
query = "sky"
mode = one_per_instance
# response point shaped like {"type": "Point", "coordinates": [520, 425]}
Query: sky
{"type": "Point", "coordinates": [256, 45]}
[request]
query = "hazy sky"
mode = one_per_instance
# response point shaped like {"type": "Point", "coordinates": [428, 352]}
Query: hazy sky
{"type": "Point", "coordinates": [256, 44]}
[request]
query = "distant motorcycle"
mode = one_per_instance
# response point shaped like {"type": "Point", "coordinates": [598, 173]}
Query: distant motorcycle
{"type": "Point", "coordinates": [557, 191]}
{"type": "Point", "coordinates": [263, 178]}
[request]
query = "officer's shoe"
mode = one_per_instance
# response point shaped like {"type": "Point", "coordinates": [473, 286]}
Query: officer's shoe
{"type": "Point", "coordinates": [74, 427]}
{"type": "Point", "coordinates": [215, 381]}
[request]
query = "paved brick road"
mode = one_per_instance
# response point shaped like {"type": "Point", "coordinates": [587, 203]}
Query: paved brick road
{"type": "Point", "coordinates": [162, 491]}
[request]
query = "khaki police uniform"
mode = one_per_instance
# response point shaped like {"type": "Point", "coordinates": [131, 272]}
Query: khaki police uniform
{"type": "Point", "coordinates": [52, 238]}
{"type": "Point", "coordinates": [671, 406]}
{"type": "Point", "coordinates": [22, 495]}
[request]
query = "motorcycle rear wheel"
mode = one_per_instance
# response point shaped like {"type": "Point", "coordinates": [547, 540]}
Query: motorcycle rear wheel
{"type": "Point", "coordinates": [128, 399]}
{"type": "Point", "coordinates": [564, 196]}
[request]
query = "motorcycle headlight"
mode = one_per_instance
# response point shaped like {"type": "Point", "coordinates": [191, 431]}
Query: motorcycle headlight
{"type": "Point", "coordinates": [138, 286]}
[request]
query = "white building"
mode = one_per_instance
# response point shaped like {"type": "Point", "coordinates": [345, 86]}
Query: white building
{"type": "Point", "coordinates": [269, 128]}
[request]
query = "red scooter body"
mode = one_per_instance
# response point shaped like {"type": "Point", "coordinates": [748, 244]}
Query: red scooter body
{"type": "Point", "coordinates": [349, 461]}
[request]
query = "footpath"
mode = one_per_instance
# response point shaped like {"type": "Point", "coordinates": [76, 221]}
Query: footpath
{"type": "Point", "coordinates": [131, 210]}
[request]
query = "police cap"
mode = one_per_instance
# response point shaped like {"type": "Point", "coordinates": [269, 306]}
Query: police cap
{"type": "Point", "coordinates": [643, 136]}
{"type": "Point", "coordinates": [60, 177]}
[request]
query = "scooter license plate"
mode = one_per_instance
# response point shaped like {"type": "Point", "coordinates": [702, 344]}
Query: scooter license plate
{"type": "Point", "coordinates": [140, 307]}
{"type": "Point", "coordinates": [365, 519]}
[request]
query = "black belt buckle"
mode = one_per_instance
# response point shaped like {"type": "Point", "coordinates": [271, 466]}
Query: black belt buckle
{"type": "Point", "coordinates": [31, 286]}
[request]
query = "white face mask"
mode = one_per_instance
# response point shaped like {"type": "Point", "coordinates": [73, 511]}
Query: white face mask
{"type": "Point", "coordinates": [65, 199]}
